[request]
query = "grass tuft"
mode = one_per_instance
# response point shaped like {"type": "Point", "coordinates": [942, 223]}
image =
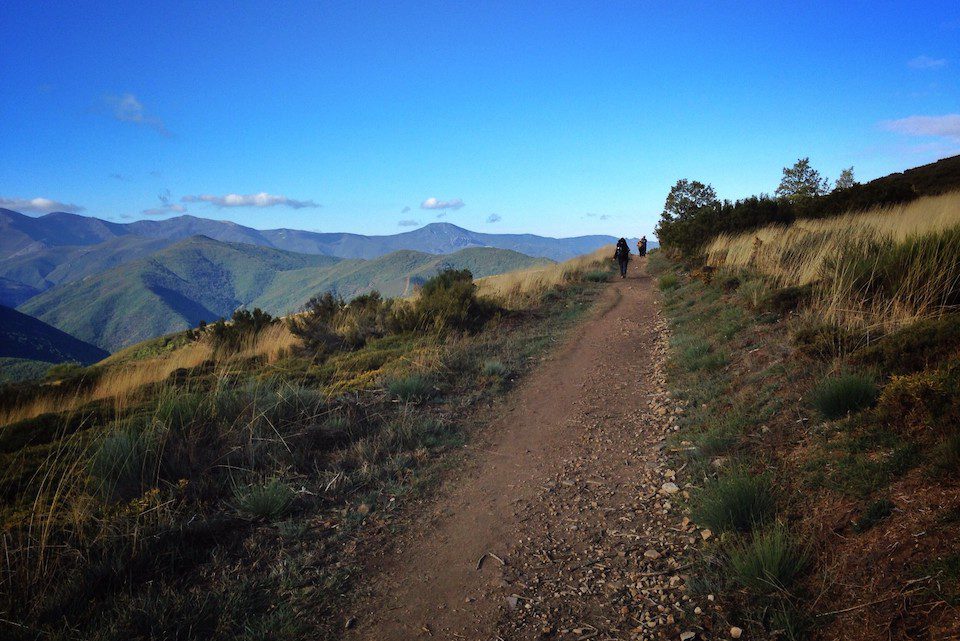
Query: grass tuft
{"type": "Point", "coordinates": [839, 396]}
{"type": "Point", "coordinates": [769, 562]}
{"type": "Point", "coordinates": [410, 389]}
{"type": "Point", "coordinates": [266, 502]}
{"type": "Point", "coordinates": [737, 501]}
{"type": "Point", "coordinates": [495, 369]}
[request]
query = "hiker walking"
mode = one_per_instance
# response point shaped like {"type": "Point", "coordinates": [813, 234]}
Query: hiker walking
{"type": "Point", "coordinates": [642, 246]}
{"type": "Point", "coordinates": [622, 256]}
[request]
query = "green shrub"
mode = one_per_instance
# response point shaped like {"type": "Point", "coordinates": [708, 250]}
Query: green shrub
{"type": "Point", "coordinates": [836, 397]}
{"type": "Point", "coordinates": [737, 501]}
{"type": "Point", "coordinates": [65, 370]}
{"type": "Point", "coordinates": [668, 281]}
{"type": "Point", "coordinates": [122, 464]}
{"type": "Point", "coordinates": [449, 301]}
{"type": "Point", "coordinates": [875, 512]}
{"type": "Point", "coordinates": [267, 502]}
{"type": "Point", "coordinates": [244, 325]}
{"type": "Point", "coordinates": [413, 388]}
{"type": "Point", "coordinates": [769, 562]}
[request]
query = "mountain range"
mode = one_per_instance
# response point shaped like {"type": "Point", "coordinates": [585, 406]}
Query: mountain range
{"type": "Point", "coordinates": [109, 285]}
{"type": "Point", "coordinates": [37, 253]}
{"type": "Point", "coordinates": [199, 278]}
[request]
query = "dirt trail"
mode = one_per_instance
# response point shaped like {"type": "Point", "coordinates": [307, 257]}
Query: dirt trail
{"type": "Point", "coordinates": [569, 494]}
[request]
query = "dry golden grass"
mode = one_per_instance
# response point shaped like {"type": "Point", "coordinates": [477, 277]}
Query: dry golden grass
{"type": "Point", "coordinates": [516, 289]}
{"type": "Point", "coordinates": [120, 382]}
{"type": "Point", "coordinates": [123, 381]}
{"type": "Point", "coordinates": [270, 344]}
{"type": "Point", "coordinates": [807, 251]}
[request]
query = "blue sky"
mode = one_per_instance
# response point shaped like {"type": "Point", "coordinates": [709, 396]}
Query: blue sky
{"type": "Point", "coordinates": [556, 118]}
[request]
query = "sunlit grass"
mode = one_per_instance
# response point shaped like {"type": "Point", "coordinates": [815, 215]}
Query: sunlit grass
{"type": "Point", "coordinates": [882, 268]}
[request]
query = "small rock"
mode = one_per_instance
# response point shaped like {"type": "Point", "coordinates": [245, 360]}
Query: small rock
{"type": "Point", "coordinates": [686, 636]}
{"type": "Point", "coordinates": [652, 554]}
{"type": "Point", "coordinates": [735, 632]}
{"type": "Point", "coordinates": [669, 488]}
{"type": "Point", "coordinates": [512, 602]}
{"type": "Point", "coordinates": [705, 534]}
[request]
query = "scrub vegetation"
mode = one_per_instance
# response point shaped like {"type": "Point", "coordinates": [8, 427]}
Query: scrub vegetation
{"type": "Point", "coordinates": [224, 482]}
{"type": "Point", "coordinates": [816, 360]}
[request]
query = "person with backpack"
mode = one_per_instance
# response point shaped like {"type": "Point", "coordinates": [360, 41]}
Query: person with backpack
{"type": "Point", "coordinates": [622, 256]}
{"type": "Point", "coordinates": [642, 246]}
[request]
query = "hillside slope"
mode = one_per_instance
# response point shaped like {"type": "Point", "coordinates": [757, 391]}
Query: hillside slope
{"type": "Point", "coordinates": [203, 279]}
{"type": "Point", "coordinates": [395, 274]}
{"type": "Point", "coordinates": [25, 337]}
{"type": "Point", "coordinates": [173, 289]}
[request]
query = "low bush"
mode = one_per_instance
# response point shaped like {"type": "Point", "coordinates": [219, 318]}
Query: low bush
{"type": "Point", "coordinates": [737, 501]}
{"type": "Point", "coordinates": [838, 396]}
{"type": "Point", "coordinates": [243, 326]}
{"type": "Point", "coordinates": [449, 301]}
{"type": "Point", "coordinates": [718, 440]}
{"type": "Point", "coordinates": [769, 562]}
{"type": "Point", "coordinates": [787, 299]}
{"type": "Point", "coordinates": [267, 502]}
{"type": "Point", "coordinates": [915, 347]}
{"type": "Point", "coordinates": [924, 405]}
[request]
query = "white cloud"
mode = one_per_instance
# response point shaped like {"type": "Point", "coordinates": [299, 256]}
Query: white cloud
{"type": "Point", "coordinates": [946, 126]}
{"type": "Point", "coordinates": [263, 199]}
{"type": "Point", "coordinates": [433, 203]}
{"type": "Point", "coordinates": [127, 108]}
{"type": "Point", "coordinates": [408, 223]}
{"type": "Point", "coordinates": [926, 62]}
{"type": "Point", "coordinates": [494, 218]}
{"type": "Point", "coordinates": [38, 205]}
